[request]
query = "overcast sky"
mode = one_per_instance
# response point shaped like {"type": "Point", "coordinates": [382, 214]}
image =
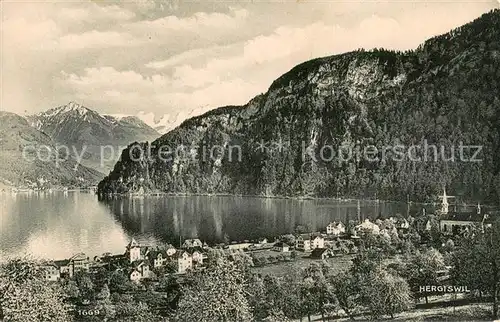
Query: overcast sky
{"type": "Point", "coordinates": [180, 56]}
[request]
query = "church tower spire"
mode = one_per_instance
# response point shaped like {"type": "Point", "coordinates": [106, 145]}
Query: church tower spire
{"type": "Point", "coordinates": [444, 202]}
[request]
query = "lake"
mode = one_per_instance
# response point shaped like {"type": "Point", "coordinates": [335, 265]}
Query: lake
{"type": "Point", "coordinates": [57, 225]}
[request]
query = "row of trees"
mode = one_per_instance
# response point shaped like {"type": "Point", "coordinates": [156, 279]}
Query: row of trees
{"type": "Point", "coordinates": [476, 263]}
{"type": "Point", "coordinates": [229, 291]}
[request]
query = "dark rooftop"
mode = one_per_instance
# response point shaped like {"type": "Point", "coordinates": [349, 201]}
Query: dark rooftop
{"type": "Point", "coordinates": [466, 216]}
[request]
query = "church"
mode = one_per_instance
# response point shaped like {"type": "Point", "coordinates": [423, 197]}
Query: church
{"type": "Point", "coordinates": [455, 223]}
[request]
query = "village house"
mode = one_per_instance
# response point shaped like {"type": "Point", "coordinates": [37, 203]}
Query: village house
{"type": "Point", "coordinates": [170, 250]}
{"type": "Point", "coordinates": [135, 251]}
{"type": "Point", "coordinates": [303, 242]}
{"type": "Point", "coordinates": [52, 272]}
{"type": "Point", "coordinates": [402, 224]}
{"type": "Point", "coordinates": [335, 228]}
{"type": "Point", "coordinates": [367, 226]}
{"type": "Point", "coordinates": [68, 267]}
{"type": "Point", "coordinates": [262, 241]}
{"type": "Point", "coordinates": [281, 247]}
{"type": "Point", "coordinates": [135, 275]}
{"type": "Point", "coordinates": [114, 261]}
{"type": "Point", "coordinates": [198, 255]}
{"type": "Point", "coordinates": [140, 270]}
{"type": "Point", "coordinates": [184, 261]}
{"type": "Point", "coordinates": [78, 262]}
{"type": "Point", "coordinates": [317, 242]}
{"type": "Point", "coordinates": [63, 267]}
{"type": "Point", "coordinates": [322, 253]}
{"type": "Point", "coordinates": [158, 257]}
{"type": "Point", "coordinates": [306, 242]}
{"type": "Point", "coordinates": [239, 246]}
{"type": "Point", "coordinates": [190, 243]}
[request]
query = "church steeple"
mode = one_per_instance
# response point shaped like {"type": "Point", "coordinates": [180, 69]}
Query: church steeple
{"type": "Point", "coordinates": [444, 202]}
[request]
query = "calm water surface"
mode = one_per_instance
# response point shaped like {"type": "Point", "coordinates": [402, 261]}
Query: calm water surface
{"type": "Point", "coordinates": [57, 225]}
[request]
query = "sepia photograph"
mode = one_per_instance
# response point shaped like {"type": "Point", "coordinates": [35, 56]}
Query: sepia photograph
{"type": "Point", "coordinates": [249, 160]}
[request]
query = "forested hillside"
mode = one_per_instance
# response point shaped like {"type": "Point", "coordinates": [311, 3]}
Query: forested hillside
{"type": "Point", "coordinates": [444, 93]}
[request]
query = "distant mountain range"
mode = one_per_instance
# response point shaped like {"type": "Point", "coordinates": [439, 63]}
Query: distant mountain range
{"type": "Point", "coordinates": [161, 124]}
{"type": "Point", "coordinates": [93, 141]}
{"type": "Point", "coordinates": [444, 93]}
{"type": "Point", "coordinates": [28, 158]}
{"type": "Point", "coordinates": [95, 135]}
{"type": "Point", "coordinates": [165, 123]}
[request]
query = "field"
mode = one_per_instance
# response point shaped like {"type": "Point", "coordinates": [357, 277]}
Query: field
{"type": "Point", "coordinates": [446, 311]}
{"type": "Point", "coordinates": [283, 268]}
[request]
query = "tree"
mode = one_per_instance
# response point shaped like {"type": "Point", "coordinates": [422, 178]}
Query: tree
{"type": "Point", "coordinates": [434, 235]}
{"type": "Point", "coordinates": [171, 266]}
{"type": "Point", "coordinates": [385, 294]}
{"type": "Point", "coordinates": [289, 239]}
{"type": "Point", "coordinates": [477, 262]}
{"type": "Point", "coordinates": [169, 284]}
{"type": "Point", "coordinates": [218, 294]}
{"type": "Point", "coordinates": [120, 283]}
{"type": "Point", "coordinates": [243, 262]}
{"type": "Point", "coordinates": [359, 286]}
{"type": "Point", "coordinates": [369, 239]}
{"type": "Point", "coordinates": [346, 292]}
{"type": "Point", "coordinates": [318, 292]}
{"type": "Point", "coordinates": [130, 310]}
{"type": "Point", "coordinates": [366, 261]}
{"type": "Point", "coordinates": [257, 299]}
{"type": "Point", "coordinates": [385, 244]}
{"type": "Point", "coordinates": [421, 269]}
{"type": "Point", "coordinates": [85, 285]}
{"type": "Point", "coordinates": [71, 290]}
{"type": "Point", "coordinates": [276, 316]}
{"type": "Point", "coordinates": [449, 246]}
{"type": "Point", "coordinates": [343, 247]}
{"type": "Point", "coordinates": [301, 229]}
{"type": "Point", "coordinates": [288, 294]}
{"type": "Point", "coordinates": [104, 304]}
{"type": "Point", "coordinates": [26, 296]}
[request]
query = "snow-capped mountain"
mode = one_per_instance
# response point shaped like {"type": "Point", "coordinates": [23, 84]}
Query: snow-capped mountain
{"type": "Point", "coordinates": [166, 122]}
{"type": "Point", "coordinates": [81, 128]}
{"type": "Point", "coordinates": [161, 124]}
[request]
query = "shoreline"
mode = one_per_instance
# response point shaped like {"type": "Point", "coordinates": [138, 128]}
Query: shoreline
{"type": "Point", "coordinates": [299, 198]}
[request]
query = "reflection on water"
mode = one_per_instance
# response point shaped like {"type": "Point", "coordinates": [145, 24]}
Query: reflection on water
{"type": "Point", "coordinates": [57, 225]}
{"type": "Point", "coordinates": [210, 218]}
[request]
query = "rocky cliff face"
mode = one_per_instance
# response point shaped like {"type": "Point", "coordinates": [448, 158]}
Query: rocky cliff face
{"type": "Point", "coordinates": [294, 140]}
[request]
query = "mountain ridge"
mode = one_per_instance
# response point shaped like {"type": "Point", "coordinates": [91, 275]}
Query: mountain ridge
{"type": "Point", "coordinates": [442, 92]}
{"type": "Point", "coordinates": [30, 159]}
{"type": "Point", "coordinates": [86, 130]}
